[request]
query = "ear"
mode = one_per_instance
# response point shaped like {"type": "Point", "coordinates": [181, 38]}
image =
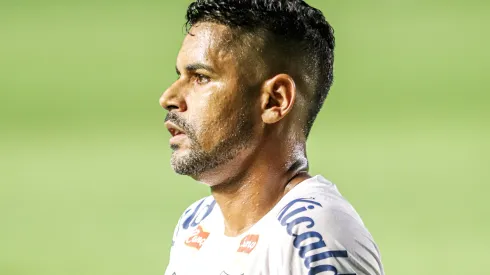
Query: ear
{"type": "Point", "coordinates": [278, 97]}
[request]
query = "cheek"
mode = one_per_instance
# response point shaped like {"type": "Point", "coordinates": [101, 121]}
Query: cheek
{"type": "Point", "coordinates": [214, 117]}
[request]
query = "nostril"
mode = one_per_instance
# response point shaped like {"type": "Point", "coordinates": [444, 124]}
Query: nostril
{"type": "Point", "coordinates": [171, 107]}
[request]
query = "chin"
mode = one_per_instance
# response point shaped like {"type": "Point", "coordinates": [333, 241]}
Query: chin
{"type": "Point", "coordinates": [205, 175]}
{"type": "Point", "coordinates": [183, 164]}
{"type": "Point", "coordinates": [210, 169]}
{"type": "Point", "coordinates": [178, 166]}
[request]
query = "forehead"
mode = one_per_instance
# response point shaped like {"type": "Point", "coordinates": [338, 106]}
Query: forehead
{"type": "Point", "coordinates": [208, 43]}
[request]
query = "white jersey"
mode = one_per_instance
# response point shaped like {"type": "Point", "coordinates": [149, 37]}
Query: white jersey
{"type": "Point", "coordinates": [312, 230]}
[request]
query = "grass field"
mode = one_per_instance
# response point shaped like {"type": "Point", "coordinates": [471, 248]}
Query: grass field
{"type": "Point", "coordinates": [85, 182]}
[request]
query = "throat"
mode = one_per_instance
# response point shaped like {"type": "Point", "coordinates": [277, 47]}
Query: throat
{"type": "Point", "coordinates": [244, 203]}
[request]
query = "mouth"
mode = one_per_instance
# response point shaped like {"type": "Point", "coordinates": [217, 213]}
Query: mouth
{"type": "Point", "coordinates": [174, 130]}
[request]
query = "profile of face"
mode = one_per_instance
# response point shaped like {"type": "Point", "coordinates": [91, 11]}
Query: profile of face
{"type": "Point", "coordinates": [211, 110]}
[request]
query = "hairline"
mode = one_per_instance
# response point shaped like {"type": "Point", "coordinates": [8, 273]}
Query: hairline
{"type": "Point", "coordinates": [248, 34]}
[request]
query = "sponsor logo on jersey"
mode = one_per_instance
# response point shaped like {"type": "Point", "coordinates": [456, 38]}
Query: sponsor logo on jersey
{"type": "Point", "coordinates": [298, 223]}
{"type": "Point", "coordinates": [192, 217]}
{"type": "Point", "coordinates": [248, 243]}
{"type": "Point", "coordinates": [197, 239]}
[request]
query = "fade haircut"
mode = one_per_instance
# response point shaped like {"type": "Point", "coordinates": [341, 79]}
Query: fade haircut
{"type": "Point", "coordinates": [296, 40]}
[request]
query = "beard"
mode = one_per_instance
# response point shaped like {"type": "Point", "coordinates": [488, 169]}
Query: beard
{"type": "Point", "coordinates": [198, 161]}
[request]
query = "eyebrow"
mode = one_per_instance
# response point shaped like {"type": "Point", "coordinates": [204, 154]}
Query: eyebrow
{"type": "Point", "coordinates": [195, 67]}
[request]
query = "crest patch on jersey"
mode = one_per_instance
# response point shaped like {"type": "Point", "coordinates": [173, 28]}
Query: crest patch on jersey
{"type": "Point", "coordinates": [197, 239]}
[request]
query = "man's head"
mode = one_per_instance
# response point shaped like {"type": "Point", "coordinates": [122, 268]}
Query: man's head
{"type": "Point", "coordinates": [250, 72]}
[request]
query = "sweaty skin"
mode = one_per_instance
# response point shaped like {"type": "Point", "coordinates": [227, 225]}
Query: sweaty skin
{"type": "Point", "coordinates": [244, 137]}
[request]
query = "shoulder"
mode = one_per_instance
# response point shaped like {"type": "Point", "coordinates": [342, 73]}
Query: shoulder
{"type": "Point", "coordinates": [324, 230]}
{"type": "Point", "coordinates": [196, 213]}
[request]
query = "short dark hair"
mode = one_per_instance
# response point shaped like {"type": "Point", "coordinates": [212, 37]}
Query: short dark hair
{"type": "Point", "coordinates": [292, 27]}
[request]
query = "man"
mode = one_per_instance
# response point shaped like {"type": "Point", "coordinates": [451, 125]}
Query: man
{"type": "Point", "coordinates": [252, 77]}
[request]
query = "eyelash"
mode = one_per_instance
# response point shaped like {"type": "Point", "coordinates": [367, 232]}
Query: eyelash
{"type": "Point", "coordinates": [198, 78]}
{"type": "Point", "coordinates": [201, 79]}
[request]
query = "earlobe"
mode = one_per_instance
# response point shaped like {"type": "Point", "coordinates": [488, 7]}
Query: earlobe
{"type": "Point", "coordinates": [278, 97]}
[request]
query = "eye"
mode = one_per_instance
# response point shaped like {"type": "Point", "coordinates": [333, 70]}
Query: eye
{"type": "Point", "coordinates": [201, 79]}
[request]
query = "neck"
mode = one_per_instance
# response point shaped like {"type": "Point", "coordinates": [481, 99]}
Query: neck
{"type": "Point", "coordinates": [246, 197]}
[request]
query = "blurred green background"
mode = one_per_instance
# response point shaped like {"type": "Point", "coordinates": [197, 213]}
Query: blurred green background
{"type": "Point", "coordinates": [85, 181]}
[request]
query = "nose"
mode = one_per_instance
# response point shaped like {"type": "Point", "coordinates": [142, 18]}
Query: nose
{"type": "Point", "coordinates": [173, 99]}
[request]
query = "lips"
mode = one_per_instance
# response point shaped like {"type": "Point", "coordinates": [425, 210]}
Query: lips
{"type": "Point", "coordinates": [175, 132]}
{"type": "Point", "coordinates": [174, 129]}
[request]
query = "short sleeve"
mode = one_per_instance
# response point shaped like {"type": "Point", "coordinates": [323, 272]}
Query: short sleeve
{"type": "Point", "coordinates": [327, 239]}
